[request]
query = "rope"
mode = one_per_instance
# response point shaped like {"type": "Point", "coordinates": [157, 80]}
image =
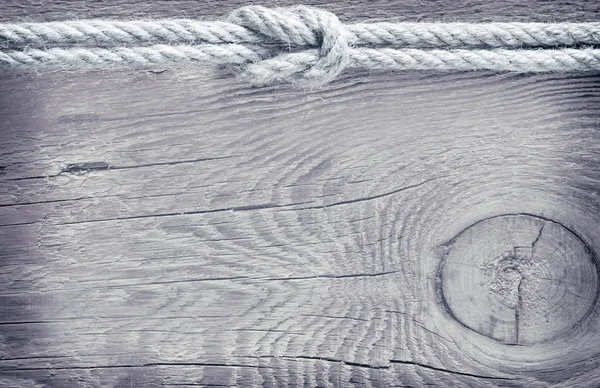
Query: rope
{"type": "Point", "coordinates": [304, 45]}
{"type": "Point", "coordinates": [231, 54]}
{"type": "Point", "coordinates": [298, 26]}
{"type": "Point", "coordinates": [285, 67]}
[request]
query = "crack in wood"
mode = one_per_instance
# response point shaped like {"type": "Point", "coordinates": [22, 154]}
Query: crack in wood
{"type": "Point", "coordinates": [382, 195]}
{"type": "Point", "coordinates": [187, 213]}
{"type": "Point", "coordinates": [450, 371]}
{"type": "Point", "coordinates": [285, 357]}
{"type": "Point", "coordinates": [87, 167]}
{"type": "Point", "coordinates": [518, 308]}
{"type": "Point", "coordinates": [538, 236]}
{"type": "Point", "coordinates": [142, 365]}
{"type": "Point", "coordinates": [335, 317]}
{"type": "Point", "coordinates": [359, 275]}
{"type": "Point", "coordinates": [113, 317]}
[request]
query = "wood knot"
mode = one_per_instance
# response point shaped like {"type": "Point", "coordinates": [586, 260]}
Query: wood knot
{"type": "Point", "coordinates": [518, 279]}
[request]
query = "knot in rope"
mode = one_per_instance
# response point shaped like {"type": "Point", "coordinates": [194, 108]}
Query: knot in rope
{"type": "Point", "coordinates": [303, 45]}
{"type": "Point", "coordinates": [298, 26]}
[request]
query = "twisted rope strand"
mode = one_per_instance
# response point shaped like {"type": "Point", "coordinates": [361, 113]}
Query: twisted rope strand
{"type": "Point", "coordinates": [231, 54]}
{"type": "Point", "coordinates": [286, 67]}
{"type": "Point", "coordinates": [119, 33]}
{"type": "Point", "coordinates": [257, 24]}
{"type": "Point", "coordinates": [256, 43]}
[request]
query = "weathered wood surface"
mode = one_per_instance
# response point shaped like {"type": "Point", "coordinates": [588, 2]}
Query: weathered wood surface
{"type": "Point", "coordinates": [180, 228]}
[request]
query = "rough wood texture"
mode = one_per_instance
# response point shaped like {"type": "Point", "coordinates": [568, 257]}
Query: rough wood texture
{"type": "Point", "coordinates": [183, 229]}
{"type": "Point", "coordinates": [519, 279]}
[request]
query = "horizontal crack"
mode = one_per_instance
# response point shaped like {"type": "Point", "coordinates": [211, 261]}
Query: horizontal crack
{"type": "Point", "coordinates": [359, 275]}
{"type": "Point", "coordinates": [81, 168]}
{"type": "Point", "coordinates": [175, 214]}
{"type": "Point", "coordinates": [328, 359]}
{"type": "Point", "coordinates": [144, 365]}
{"type": "Point", "coordinates": [363, 199]}
{"type": "Point", "coordinates": [199, 280]}
{"type": "Point", "coordinates": [285, 357]}
{"type": "Point", "coordinates": [448, 371]}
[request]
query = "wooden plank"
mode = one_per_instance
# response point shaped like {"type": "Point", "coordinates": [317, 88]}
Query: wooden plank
{"type": "Point", "coordinates": [422, 10]}
{"type": "Point", "coordinates": [184, 229]}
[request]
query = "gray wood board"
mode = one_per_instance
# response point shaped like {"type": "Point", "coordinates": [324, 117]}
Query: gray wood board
{"type": "Point", "coordinates": [180, 228]}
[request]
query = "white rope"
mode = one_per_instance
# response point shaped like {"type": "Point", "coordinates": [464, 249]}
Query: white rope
{"type": "Point", "coordinates": [287, 67]}
{"type": "Point", "coordinates": [304, 45]}
{"type": "Point", "coordinates": [118, 32]}
{"type": "Point", "coordinates": [231, 54]}
{"type": "Point", "coordinates": [298, 26]}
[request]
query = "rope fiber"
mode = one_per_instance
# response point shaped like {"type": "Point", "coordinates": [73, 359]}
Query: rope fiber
{"type": "Point", "coordinates": [304, 45]}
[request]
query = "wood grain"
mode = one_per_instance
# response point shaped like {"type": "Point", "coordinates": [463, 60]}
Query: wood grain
{"type": "Point", "coordinates": [183, 229]}
{"type": "Point", "coordinates": [420, 10]}
{"type": "Point", "coordinates": [519, 279]}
